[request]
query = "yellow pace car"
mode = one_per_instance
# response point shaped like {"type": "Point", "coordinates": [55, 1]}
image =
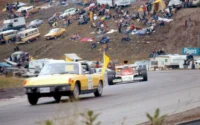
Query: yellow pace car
{"type": "Point", "coordinates": [64, 79]}
{"type": "Point", "coordinates": [54, 33]}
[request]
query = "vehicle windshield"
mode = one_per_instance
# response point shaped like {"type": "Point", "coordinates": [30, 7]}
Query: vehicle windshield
{"type": "Point", "coordinates": [53, 30]}
{"type": "Point", "coordinates": [5, 26]}
{"type": "Point", "coordinates": [21, 35]}
{"type": "Point", "coordinates": [60, 68]}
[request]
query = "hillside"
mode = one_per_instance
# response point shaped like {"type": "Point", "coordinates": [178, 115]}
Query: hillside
{"type": "Point", "coordinates": [172, 37]}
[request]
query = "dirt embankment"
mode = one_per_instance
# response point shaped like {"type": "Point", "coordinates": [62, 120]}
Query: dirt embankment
{"type": "Point", "coordinates": [172, 37]}
{"type": "Point", "coordinates": [179, 36]}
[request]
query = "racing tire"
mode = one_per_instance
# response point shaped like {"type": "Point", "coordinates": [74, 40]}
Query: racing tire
{"type": "Point", "coordinates": [110, 81]}
{"type": "Point", "coordinates": [99, 90]}
{"type": "Point", "coordinates": [32, 99]}
{"type": "Point", "coordinates": [144, 75]}
{"type": "Point", "coordinates": [75, 93]}
{"type": "Point", "coordinates": [28, 41]}
{"type": "Point", "coordinates": [57, 98]}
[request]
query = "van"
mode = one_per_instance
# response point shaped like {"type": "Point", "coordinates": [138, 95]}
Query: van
{"type": "Point", "coordinates": [196, 3]}
{"type": "Point", "coordinates": [8, 36]}
{"type": "Point", "coordinates": [13, 24]}
{"type": "Point", "coordinates": [28, 35]}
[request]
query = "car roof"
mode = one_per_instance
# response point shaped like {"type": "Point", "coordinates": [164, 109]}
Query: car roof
{"type": "Point", "coordinates": [8, 31]}
{"type": "Point", "coordinates": [70, 9]}
{"type": "Point", "coordinates": [28, 30]}
{"type": "Point", "coordinates": [24, 7]}
{"type": "Point", "coordinates": [64, 62]}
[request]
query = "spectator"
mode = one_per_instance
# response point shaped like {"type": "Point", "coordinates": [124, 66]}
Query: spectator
{"type": "Point", "coordinates": [69, 20]}
{"type": "Point", "coordinates": [75, 37]}
{"type": "Point", "coordinates": [8, 7]}
{"type": "Point", "coordinates": [2, 69]}
{"type": "Point", "coordinates": [119, 25]}
{"type": "Point", "coordinates": [125, 38]}
{"type": "Point", "coordinates": [185, 3]}
{"type": "Point", "coordinates": [94, 45]}
{"type": "Point", "coordinates": [144, 10]}
{"type": "Point", "coordinates": [97, 64]}
{"type": "Point", "coordinates": [105, 39]}
{"type": "Point", "coordinates": [16, 48]}
{"type": "Point", "coordinates": [162, 23]}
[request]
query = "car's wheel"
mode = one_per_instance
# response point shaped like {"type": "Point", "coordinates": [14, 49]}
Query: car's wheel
{"type": "Point", "coordinates": [14, 39]}
{"type": "Point", "coordinates": [110, 81]}
{"type": "Point", "coordinates": [99, 90]}
{"type": "Point", "coordinates": [28, 41]}
{"type": "Point", "coordinates": [55, 37]}
{"type": "Point", "coordinates": [75, 93]}
{"type": "Point", "coordinates": [57, 98]}
{"type": "Point", "coordinates": [9, 41]}
{"type": "Point", "coordinates": [37, 38]}
{"type": "Point", "coordinates": [144, 75]}
{"type": "Point", "coordinates": [33, 99]}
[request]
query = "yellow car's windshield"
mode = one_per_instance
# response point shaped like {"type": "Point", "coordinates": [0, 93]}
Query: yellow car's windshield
{"type": "Point", "coordinates": [60, 68]}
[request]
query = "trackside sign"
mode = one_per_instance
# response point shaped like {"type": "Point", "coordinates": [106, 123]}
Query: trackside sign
{"type": "Point", "coordinates": [193, 51]}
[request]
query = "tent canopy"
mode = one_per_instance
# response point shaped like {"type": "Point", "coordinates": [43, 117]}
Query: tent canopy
{"type": "Point", "coordinates": [158, 5]}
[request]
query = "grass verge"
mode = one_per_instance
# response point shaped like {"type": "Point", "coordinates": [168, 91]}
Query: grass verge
{"type": "Point", "coordinates": [9, 82]}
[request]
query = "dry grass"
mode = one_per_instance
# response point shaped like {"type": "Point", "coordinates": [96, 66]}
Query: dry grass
{"type": "Point", "coordinates": [8, 82]}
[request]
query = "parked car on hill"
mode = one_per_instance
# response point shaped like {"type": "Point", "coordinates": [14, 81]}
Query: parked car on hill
{"type": "Point", "coordinates": [70, 11]}
{"type": "Point", "coordinates": [35, 23]}
{"type": "Point", "coordinates": [56, 16]}
{"type": "Point", "coordinates": [54, 33]}
{"type": "Point", "coordinates": [18, 5]}
{"type": "Point", "coordinates": [13, 24]}
{"type": "Point", "coordinates": [28, 9]}
{"type": "Point", "coordinates": [28, 35]}
{"type": "Point", "coordinates": [8, 36]}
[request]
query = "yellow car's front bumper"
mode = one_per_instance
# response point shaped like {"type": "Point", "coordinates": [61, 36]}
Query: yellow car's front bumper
{"type": "Point", "coordinates": [63, 89]}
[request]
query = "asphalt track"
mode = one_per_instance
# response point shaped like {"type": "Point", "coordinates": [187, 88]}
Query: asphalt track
{"type": "Point", "coordinates": [171, 91]}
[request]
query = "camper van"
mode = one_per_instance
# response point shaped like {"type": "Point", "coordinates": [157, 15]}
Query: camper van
{"type": "Point", "coordinates": [167, 61]}
{"type": "Point", "coordinates": [8, 36]}
{"type": "Point", "coordinates": [28, 35]}
{"type": "Point", "coordinates": [196, 3]}
{"type": "Point", "coordinates": [14, 24]}
{"type": "Point", "coordinates": [197, 64]}
{"type": "Point", "coordinates": [112, 3]}
{"type": "Point", "coordinates": [175, 3]}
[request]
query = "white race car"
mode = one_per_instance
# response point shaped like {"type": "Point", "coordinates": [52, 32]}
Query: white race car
{"type": "Point", "coordinates": [128, 74]}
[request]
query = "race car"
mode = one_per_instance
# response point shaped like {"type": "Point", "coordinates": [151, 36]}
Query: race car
{"type": "Point", "coordinates": [127, 74]}
{"type": "Point", "coordinates": [64, 79]}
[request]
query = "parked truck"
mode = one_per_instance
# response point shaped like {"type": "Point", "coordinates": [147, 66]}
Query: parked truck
{"type": "Point", "coordinates": [13, 24]}
{"type": "Point", "coordinates": [113, 3]}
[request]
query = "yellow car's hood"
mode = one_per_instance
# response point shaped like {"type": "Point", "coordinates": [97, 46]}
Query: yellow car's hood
{"type": "Point", "coordinates": [49, 34]}
{"type": "Point", "coordinates": [49, 80]}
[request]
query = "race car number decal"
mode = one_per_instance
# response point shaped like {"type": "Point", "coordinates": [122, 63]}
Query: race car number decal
{"type": "Point", "coordinates": [90, 84]}
{"type": "Point", "coordinates": [127, 78]}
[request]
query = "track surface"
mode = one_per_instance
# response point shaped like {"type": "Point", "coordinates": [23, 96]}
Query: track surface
{"type": "Point", "coordinates": [171, 91]}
